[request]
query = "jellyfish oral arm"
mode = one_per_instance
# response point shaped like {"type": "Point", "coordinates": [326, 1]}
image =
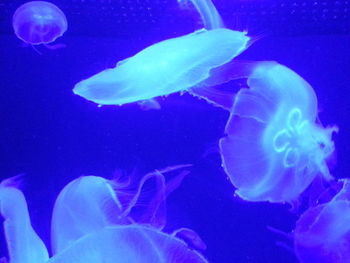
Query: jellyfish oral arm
{"type": "Point", "coordinates": [208, 12]}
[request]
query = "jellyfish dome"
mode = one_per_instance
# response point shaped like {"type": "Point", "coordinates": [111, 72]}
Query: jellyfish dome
{"type": "Point", "coordinates": [322, 233]}
{"type": "Point", "coordinates": [93, 222]}
{"type": "Point", "coordinates": [39, 22]}
{"type": "Point", "coordinates": [169, 66]}
{"type": "Point", "coordinates": [273, 147]}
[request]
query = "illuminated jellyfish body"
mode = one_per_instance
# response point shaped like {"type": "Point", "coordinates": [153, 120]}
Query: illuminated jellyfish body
{"type": "Point", "coordinates": [273, 147]}
{"type": "Point", "coordinates": [169, 66]}
{"type": "Point", "coordinates": [322, 233]}
{"type": "Point", "coordinates": [39, 22]}
{"type": "Point", "coordinates": [93, 221]}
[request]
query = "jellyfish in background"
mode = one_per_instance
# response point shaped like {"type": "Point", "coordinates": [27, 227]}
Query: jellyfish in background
{"type": "Point", "coordinates": [94, 221]}
{"type": "Point", "coordinates": [322, 233]}
{"type": "Point", "coordinates": [170, 66]}
{"type": "Point", "coordinates": [39, 22]}
{"type": "Point", "coordinates": [273, 147]}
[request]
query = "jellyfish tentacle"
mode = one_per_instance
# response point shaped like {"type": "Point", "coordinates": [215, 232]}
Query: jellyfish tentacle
{"type": "Point", "coordinates": [208, 12]}
{"type": "Point", "coordinates": [154, 211]}
{"type": "Point", "coordinates": [210, 89]}
{"type": "Point", "coordinates": [191, 237]}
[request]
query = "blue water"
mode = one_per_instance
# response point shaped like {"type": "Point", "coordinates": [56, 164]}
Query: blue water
{"type": "Point", "coordinates": [53, 136]}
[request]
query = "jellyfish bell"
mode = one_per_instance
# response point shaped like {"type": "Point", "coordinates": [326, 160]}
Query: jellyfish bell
{"type": "Point", "coordinates": [166, 67]}
{"type": "Point", "coordinates": [322, 233]}
{"type": "Point", "coordinates": [90, 203]}
{"type": "Point", "coordinates": [84, 205]}
{"type": "Point", "coordinates": [173, 65]}
{"type": "Point", "coordinates": [273, 148]}
{"type": "Point", "coordinates": [39, 22]}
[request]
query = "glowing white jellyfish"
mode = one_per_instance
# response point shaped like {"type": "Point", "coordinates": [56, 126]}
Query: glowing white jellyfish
{"type": "Point", "coordinates": [93, 221]}
{"type": "Point", "coordinates": [39, 22]}
{"type": "Point", "coordinates": [274, 147]}
{"type": "Point", "coordinates": [172, 65]}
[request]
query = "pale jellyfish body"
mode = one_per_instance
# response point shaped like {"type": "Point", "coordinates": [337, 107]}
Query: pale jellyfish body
{"type": "Point", "coordinates": [169, 66]}
{"type": "Point", "coordinates": [274, 148]}
{"type": "Point", "coordinates": [93, 222]}
{"type": "Point", "coordinates": [322, 233]}
{"type": "Point", "coordinates": [39, 22]}
{"type": "Point", "coordinates": [128, 244]}
{"type": "Point", "coordinates": [24, 244]}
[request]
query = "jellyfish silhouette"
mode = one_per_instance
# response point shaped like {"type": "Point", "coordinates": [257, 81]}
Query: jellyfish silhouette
{"type": "Point", "coordinates": [322, 233]}
{"type": "Point", "coordinates": [39, 22]}
{"type": "Point", "coordinates": [170, 66]}
{"type": "Point", "coordinates": [273, 148]}
{"type": "Point", "coordinates": [93, 221]}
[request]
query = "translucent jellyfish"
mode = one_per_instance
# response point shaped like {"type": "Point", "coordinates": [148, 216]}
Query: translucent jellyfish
{"type": "Point", "coordinates": [39, 22]}
{"type": "Point", "coordinates": [24, 245]}
{"type": "Point", "coordinates": [94, 221]}
{"type": "Point", "coordinates": [322, 233]}
{"type": "Point", "coordinates": [170, 66]}
{"type": "Point", "coordinates": [274, 146]}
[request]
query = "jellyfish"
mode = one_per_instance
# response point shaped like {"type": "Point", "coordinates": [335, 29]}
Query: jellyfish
{"type": "Point", "coordinates": [39, 22]}
{"type": "Point", "coordinates": [322, 233]}
{"type": "Point", "coordinates": [93, 221]}
{"type": "Point", "coordinates": [169, 66]}
{"type": "Point", "coordinates": [274, 145]}
{"type": "Point", "coordinates": [24, 245]}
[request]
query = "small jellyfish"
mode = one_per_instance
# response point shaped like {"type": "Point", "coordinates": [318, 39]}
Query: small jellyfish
{"type": "Point", "coordinates": [170, 66]}
{"type": "Point", "coordinates": [322, 233]}
{"type": "Point", "coordinates": [97, 220]}
{"type": "Point", "coordinates": [274, 147]}
{"type": "Point", "coordinates": [39, 22]}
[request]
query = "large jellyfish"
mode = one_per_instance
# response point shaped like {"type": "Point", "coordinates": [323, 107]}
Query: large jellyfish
{"type": "Point", "coordinates": [274, 146]}
{"type": "Point", "coordinates": [39, 22]}
{"type": "Point", "coordinates": [322, 233]}
{"type": "Point", "coordinates": [172, 65]}
{"type": "Point", "coordinates": [93, 221]}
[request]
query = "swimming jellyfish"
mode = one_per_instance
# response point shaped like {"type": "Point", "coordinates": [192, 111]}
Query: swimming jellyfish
{"type": "Point", "coordinates": [169, 66]}
{"type": "Point", "coordinates": [39, 22]}
{"type": "Point", "coordinates": [93, 221]}
{"type": "Point", "coordinates": [322, 233]}
{"type": "Point", "coordinates": [274, 147]}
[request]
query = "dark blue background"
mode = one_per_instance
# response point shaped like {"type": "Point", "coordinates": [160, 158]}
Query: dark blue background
{"type": "Point", "coordinates": [53, 136]}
